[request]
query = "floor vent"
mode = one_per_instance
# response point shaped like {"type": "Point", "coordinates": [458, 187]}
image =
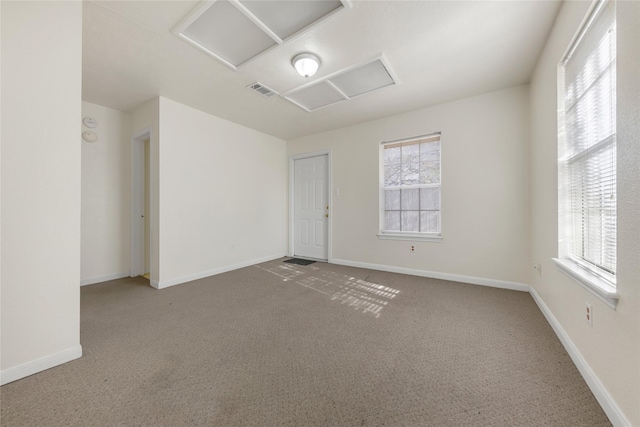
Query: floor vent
{"type": "Point", "coordinates": [262, 89]}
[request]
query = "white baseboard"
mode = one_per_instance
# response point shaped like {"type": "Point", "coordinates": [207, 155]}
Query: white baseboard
{"type": "Point", "coordinates": [615, 414]}
{"type": "Point", "coordinates": [100, 279]}
{"type": "Point", "coordinates": [39, 365]}
{"type": "Point", "coordinates": [514, 286]}
{"type": "Point", "coordinates": [172, 282]}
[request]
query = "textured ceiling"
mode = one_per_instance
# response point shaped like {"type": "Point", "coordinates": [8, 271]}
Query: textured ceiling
{"type": "Point", "coordinates": [439, 50]}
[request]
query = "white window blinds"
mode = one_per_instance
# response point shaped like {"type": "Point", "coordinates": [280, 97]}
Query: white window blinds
{"type": "Point", "coordinates": [587, 153]}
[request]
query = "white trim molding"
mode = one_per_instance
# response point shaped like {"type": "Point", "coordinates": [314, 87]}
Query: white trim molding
{"type": "Point", "coordinates": [600, 288]}
{"type": "Point", "coordinates": [172, 282]}
{"type": "Point", "coordinates": [502, 284]}
{"type": "Point", "coordinates": [426, 237]}
{"type": "Point", "coordinates": [21, 371]}
{"type": "Point", "coordinates": [615, 414]}
{"type": "Point", "coordinates": [106, 278]}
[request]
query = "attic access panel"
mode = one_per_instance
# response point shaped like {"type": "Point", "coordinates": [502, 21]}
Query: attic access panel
{"type": "Point", "coordinates": [228, 34]}
{"type": "Point", "coordinates": [343, 85]}
{"type": "Point", "coordinates": [316, 96]}
{"type": "Point", "coordinates": [286, 18]}
{"type": "Point", "coordinates": [237, 31]}
{"type": "Point", "coordinates": [366, 78]}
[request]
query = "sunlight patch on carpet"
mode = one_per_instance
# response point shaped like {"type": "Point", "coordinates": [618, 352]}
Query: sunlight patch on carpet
{"type": "Point", "coordinates": [361, 295]}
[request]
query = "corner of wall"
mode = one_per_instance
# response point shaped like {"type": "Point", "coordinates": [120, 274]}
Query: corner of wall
{"type": "Point", "coordinates": [606, 353]}
{"type": "Point", "coordinates": [40, 185]}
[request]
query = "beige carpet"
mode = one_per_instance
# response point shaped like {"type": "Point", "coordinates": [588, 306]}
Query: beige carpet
{"type": "Point", "coordinates": [319, 345]}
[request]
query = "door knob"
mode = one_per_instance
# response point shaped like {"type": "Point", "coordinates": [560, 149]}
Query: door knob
{"type": "Point", "coordinates": [327, 215]}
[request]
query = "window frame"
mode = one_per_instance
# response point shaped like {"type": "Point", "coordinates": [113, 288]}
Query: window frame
{"type": "Point", "coordinates": [405, 235]}
{"type": "Point", "coordinates": [601, 284]}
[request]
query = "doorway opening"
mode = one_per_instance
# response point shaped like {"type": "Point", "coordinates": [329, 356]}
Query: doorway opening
{"type": "Point", "coordinates": [141, 203]}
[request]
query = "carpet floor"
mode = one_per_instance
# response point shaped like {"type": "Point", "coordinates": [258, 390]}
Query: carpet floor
{"type": "Point", "coordinates": [321, 345]}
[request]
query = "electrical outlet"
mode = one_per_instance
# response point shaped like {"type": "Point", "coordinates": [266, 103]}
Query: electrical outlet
{"type": "Point", "coordinates": [413, 248]}
{"type": "Point", "coordinates": [538, 269]}
{"type": "Point", "coordinates": [589, 314]}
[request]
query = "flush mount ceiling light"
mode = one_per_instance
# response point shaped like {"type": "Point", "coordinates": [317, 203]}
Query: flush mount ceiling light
{"type": "Point", "coordinates": [237, 31]}
{"type": "Point", "coordinates": [306, 64]}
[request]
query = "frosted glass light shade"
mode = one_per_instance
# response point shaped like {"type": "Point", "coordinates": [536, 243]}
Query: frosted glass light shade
{"type": "Point", "coordinates": [306, 64]}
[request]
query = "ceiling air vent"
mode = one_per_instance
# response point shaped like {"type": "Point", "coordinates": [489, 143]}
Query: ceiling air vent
{"type": "Point", "coordinates": [262, 89]}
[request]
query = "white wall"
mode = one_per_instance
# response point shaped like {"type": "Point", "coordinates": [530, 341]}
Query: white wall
{"type": "Point", "coordinates": [485, 184]}
{"type": "Point", "coordinates": [106, 197]}
{"type": "Point", "coordinates": [611, 348]}
{"type": "Point", "coordinates": [222, 196]}
{"type": "Point", "coordinates": [41, 75]}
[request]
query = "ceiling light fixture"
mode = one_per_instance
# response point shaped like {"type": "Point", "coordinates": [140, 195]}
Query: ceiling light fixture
{"type": "Point", "coordinates": [306, 64]}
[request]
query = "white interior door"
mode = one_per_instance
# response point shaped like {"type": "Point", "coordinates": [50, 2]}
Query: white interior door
{"type": "Point", "coordinates": [311, 208]}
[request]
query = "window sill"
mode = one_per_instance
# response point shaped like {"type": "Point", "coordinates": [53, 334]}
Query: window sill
{"type": "Point", "coordinates": [599, 287]}
{"type": "Point", "coordinates": [411, 237]}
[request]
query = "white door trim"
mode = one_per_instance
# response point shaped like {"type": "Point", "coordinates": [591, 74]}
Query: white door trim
{"type": "Point", "coordinates": [292, 159]}
{"type": "Point", "coordinates": [137, 203]}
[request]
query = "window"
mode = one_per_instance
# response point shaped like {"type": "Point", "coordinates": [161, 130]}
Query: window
{"type": "Point", "coordinates": [587, 154]}
{"type": "Point", "coordinates": [410, 205]}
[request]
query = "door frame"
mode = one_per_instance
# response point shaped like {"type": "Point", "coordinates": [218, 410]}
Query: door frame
{"type": "Point", "coordinates": [137, 203]}
{"type": "Point", "coordinates": [292, 159]}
